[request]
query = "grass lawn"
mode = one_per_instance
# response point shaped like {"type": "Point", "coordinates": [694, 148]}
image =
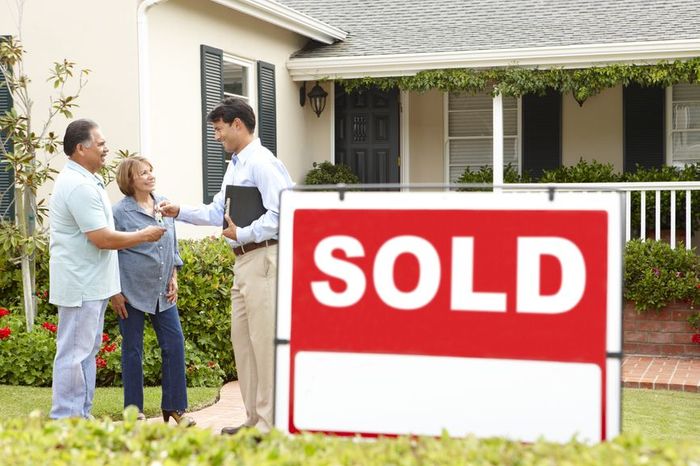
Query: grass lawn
{"type": "Point", "coordinates": [20, 401]}
{"type": "Point", "coordinates": [661, 414]}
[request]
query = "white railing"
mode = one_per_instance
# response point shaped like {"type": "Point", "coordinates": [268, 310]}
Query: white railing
{"type": "Point", "coordinates": [685, 188]}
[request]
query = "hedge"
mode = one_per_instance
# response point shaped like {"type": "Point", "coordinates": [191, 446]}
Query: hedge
{"type": "Point", "coordinates": [205, 311]}
{"type": "Point", "coordinates": [597, 172]}
{"type": "Point", "coordinates": [34, 440]}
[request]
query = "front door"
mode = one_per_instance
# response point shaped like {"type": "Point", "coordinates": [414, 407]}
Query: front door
{"type": "Point", "coordinates": [367, 133]}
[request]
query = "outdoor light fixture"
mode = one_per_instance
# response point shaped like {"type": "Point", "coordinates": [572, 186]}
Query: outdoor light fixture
{"type": "Point", "coordinates": [317, 98]}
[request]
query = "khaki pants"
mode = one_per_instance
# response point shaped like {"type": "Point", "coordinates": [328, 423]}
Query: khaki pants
{"type": "Point", "coordinates": [252, 331]}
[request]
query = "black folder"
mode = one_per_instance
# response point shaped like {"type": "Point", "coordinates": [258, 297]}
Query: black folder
{"type": "Point", "coordinates": [244, 205]}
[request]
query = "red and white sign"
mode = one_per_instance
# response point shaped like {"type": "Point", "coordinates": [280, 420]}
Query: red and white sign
{"type": "Point", "coordinates": [497, 314]}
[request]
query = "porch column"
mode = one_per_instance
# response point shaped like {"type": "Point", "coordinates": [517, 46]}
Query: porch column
{"type": "Point", "coordinates": [497, 141]}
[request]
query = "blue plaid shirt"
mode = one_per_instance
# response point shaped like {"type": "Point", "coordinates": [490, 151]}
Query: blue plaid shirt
{"type": "Point", "coordinates": [146, 269]}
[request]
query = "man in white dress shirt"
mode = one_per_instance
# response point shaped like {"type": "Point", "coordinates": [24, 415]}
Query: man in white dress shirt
{"type": "Point", "coordinates": [255, 270]}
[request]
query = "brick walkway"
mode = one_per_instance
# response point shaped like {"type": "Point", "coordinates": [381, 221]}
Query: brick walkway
{"type": "Point", "coordinates": [637, 372]}
{"type": "Point", "coordinates": [228, 411]}
{"type": "Point", "coordinates": [661, 373]}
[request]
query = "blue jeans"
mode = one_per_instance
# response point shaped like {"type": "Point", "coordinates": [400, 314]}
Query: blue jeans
{"type": "Point", "coordinates": [77, 343]}
{"type": "Point", "coordinates": [172, 349]}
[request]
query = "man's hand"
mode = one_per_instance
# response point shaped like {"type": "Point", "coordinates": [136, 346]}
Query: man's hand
{"type": "Point", "coordinates": [119, 305]}
{"type": "Point", "coordinates": [152, 233]}
{"type": "Point", "coordinates": [230, 230]}
{"type": "Point", "coordinates": [171, 294]}
{"type": "Point", "coordinates": [169, 209]}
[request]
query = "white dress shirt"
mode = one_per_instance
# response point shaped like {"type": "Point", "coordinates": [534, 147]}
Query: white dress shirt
{"type": "Point", "coordinates": [255, 166]}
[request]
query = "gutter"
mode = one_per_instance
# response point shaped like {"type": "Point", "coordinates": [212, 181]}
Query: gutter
{"type": "Point", "coordinates": [288, 18]}
{"type": "Point", "coordinates": [144, 76]}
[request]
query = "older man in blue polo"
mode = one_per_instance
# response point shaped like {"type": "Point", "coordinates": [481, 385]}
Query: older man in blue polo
{"type": "Point", "coordinates": [84, 272]}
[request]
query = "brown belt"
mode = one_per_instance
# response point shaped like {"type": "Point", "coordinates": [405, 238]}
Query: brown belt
{"type": "Point", "coordinates": [240, 250]}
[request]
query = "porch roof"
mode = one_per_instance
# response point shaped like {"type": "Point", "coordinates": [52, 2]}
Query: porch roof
{"type": "Point", "coordinates": [395, 37]}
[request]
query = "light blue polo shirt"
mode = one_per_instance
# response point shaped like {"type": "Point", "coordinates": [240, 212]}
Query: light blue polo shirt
{"type": "Point", "coordinates": [79, 271]}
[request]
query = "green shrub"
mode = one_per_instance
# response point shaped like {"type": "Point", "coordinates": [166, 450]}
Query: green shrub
{"type": "Point", "coordinates": [656, 275]}
{"type": "Point", "coordinates": [484, 175]}
{"type": "Point", "coordinates": [582, 172]}
{"type": "Point", "coordinates": [25, 358]}
{"type": "Point", "coordinates": [328, 173]}
{"type": "Point", "coordinates": [34, 440]}
{"type": "Point", "coordinates": [204, 304]}
{"type": "Point", "coordinates": [11, 276]}
{"type": "Point", "coordinates": [204, 301]}
{"type": "Point", "coordinates": [597, 172]}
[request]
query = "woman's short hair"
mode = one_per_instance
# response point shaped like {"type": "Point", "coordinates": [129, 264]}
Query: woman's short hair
{"type": "Point", "coordinates": [127, 171]}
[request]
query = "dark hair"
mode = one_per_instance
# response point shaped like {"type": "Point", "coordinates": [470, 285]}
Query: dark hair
{"type": "Point", "coordinates": [231, 108]}
{"type": "Point", "coordinates": [78, 132]}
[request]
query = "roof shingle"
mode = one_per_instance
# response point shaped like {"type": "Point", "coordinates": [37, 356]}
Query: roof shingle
{"type": "Point", "coordinates": [390, 27]}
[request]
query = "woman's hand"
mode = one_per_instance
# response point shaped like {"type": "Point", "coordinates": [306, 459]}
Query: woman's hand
{"type": "Point", "coordinates": [119, 305]}
{"type": "Point", "coordinates": [171, 295]}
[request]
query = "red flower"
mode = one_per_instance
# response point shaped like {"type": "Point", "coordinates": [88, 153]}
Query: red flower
{"type": "Point", "coordinates": [109, 348]}
{"type": "Point", "coordinates": [211, 364]}
{"type": "Point", "coordinates": [100, 362]}
{"type": "Point", "coordinates": [50, 327]}
{"type": "Point", "coordinates": [5, 332]}
{"type": "Point", "coordinates": [105, 338]}
{"type": "Point", "coordinates": [4, 312]}
{"type": "Point", "coordinates": [696, 338]}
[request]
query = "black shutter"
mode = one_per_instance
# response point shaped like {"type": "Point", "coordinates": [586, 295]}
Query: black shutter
{"type": "Point", "coordinates": [643, 121]}
{"type": "Point", "coordinates": [267, 106]}
{"type": "Point", "coordinates": [7, 194]}
{"type": "Point", "coordinates": [213, 162]}
{"type": "Point", "coordinates": [541, 126]}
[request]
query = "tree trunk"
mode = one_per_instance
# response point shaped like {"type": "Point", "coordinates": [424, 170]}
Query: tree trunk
{"type": "Point", "coordinates": [25, 222]}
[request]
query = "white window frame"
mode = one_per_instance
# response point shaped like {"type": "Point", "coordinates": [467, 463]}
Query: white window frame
{"type": "Point", "coordinates": [249, 66]}
{"type": "Point", "coordinates": [447, 138]}
{"type": "Point", "coordinates": [669, 128]}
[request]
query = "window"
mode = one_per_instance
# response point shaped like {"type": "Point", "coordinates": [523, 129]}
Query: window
{"type": "Point", "coordinates": [227, 76]}
{"type": "Point", "coordinates": [684, 138]}
{"type": "Point", "coordinates": [470, 133]}
{"type": "Point", "coordinates": [238, 78]}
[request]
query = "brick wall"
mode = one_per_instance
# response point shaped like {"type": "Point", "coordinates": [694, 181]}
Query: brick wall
{"type": "Point", "coordinates": [662, 333]}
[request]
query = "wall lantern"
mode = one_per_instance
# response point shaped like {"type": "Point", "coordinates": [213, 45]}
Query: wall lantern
{"type": "Point", "coordinates": [317, 99]}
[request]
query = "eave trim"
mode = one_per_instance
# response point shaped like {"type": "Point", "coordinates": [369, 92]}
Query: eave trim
{"type": "Point", "coordinates": [577, 56]}
{"type": "Point", "coordinates": [287, 18]}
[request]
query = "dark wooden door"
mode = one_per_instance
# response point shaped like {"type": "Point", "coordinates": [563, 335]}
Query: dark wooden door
{"type": "Point", "coordinates": [367, 133]}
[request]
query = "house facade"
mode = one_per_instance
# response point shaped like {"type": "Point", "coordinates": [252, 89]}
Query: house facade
{"type": "Point", "coordinates": [158, 66]}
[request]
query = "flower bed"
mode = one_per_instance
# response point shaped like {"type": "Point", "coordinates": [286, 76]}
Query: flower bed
{"type": "Point", "coordinates": [26, 358]}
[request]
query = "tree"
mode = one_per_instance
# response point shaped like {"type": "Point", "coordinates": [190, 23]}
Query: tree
{"type": "Point", "coordinates": [28, 153]}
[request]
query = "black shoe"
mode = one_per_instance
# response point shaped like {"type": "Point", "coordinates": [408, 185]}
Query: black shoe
{"type": "Point", "coordinates": [179, 417]}
{"type": "Point", "coordinates": [233, 430]}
